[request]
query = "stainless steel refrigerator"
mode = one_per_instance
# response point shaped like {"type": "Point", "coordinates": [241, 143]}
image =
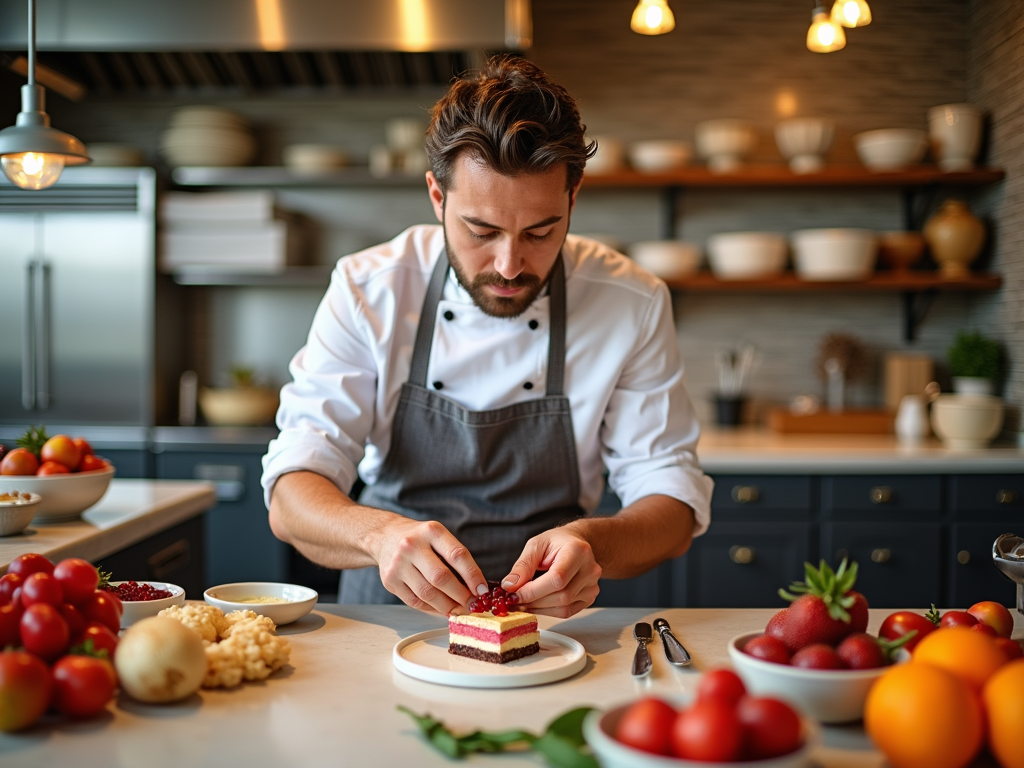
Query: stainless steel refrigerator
{"type": "Point", "coordinates": [77, 300]}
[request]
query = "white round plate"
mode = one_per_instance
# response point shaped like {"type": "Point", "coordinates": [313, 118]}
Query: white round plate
{"type": "Point", "coordinates": [425, 656]}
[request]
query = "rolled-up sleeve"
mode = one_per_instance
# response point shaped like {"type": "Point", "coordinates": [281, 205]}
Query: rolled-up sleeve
{"type": "Point", "coordinates": [327, 409]}
{"type": "Point", "coordinates": [649, 434]}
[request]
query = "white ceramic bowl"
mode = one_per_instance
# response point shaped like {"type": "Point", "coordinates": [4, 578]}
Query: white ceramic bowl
{"type": "Point", "coordinates": [668, 259]}
{"type": "Point", "coordinates": [219, 146]}
{"type": "Point", "coordinates": [598, 727]}
{"type": "Point", "coordinates": [238, 406]}
{"type": "Point", "coordinates": [228, 598]}
{"type": "Point", "coordinates": [804, 142]}
{"type": "Point", "coordinates": [724, 143]}
{"type": "Point", "coordinates": [17, 508]}
{"type": "Point", "coordinates": [655, 156]}
{"type": "Point", "coordinates": [827, 695]}
{"type": "Point", "coordinates": [136, 610]}
{"type": "Point", "coordinates": [834, 254]}
{"type": "Point", "coordinates": [405, 133]}
{"type": "Point", "coordinates": [967, 421]}
{"type": "Point", "coordinates": [64, 497]}
{"type": "Point", "coordinates": [889, 149]}
{"type": "Point", "coordinates": [313, 158]}
{"type": "Point", "coordinates": [746, 255]}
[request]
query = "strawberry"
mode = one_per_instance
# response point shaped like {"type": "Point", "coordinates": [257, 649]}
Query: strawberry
{"type": "Point", "coordinates": [776, 625]}
{"type": "Point", "coordinates": [818, 656]}
{"type": "Point", "coordinates": [821, 613]}
{"type": "Point", "coordinates": [858, 612]}
{"type": "Point", "coordinates": [767, 648]}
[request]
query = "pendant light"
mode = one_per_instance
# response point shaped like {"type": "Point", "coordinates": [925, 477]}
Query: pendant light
{"type": "Point", "coordinates": [652, 17]}
{"type": "Point", "coordinates": [33, 154]}
{"type": "Point", "coordinates": [851, 13]}
{"type": "Point", "coordinates": [825, 35]}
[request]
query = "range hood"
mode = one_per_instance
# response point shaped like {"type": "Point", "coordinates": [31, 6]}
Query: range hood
{"type": "Point", "coordinates": [118, 46]}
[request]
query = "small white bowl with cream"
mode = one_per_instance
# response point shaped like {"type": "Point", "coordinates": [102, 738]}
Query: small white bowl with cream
{"type": "Point", "coordinates": [281, 603]}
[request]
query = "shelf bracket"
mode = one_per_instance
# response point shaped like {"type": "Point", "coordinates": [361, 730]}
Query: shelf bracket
{"type": "Point", "coordinates": [669, 214]}
{"type": "Point", "coordinates": [915, 306]}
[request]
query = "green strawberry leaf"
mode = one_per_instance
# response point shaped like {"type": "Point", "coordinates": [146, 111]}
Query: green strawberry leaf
{"type": "Point", "coordinates": [569, 725]}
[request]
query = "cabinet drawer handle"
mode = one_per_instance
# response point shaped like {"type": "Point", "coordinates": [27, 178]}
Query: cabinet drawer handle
{"type": "Point", "coordinates": [741, 555]}
{"type": "Point", "coordinates": [745, 494]}
{"type": "Point", "coordinates": [170, 558]}
{"type": "Point", "coordinates": [1005, 497]}
{"type": "Point", "coordinates": [881, 494]}
{"type": "Point", "coordinates": [963, 557]}
{"type": "Point", "coordinates": [881, 555]}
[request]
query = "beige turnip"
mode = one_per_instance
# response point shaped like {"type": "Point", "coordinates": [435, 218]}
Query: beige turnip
{"type": "Point", "coordinates": [160, 660]}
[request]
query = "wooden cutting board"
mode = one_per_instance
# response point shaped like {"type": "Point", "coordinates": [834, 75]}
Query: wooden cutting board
{"type": "Point", "coordinates": [850, 422]}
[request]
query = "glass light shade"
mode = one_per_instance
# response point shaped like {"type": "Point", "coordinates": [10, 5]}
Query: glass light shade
{"type": "Point", "coordinates": [652, 17]}
{"type": "Point", "coordinates": [825, 35]}
{"type": "Point", "coordinates": [851, 13]}
{"type": "Point", "coordinates": [33, 170]}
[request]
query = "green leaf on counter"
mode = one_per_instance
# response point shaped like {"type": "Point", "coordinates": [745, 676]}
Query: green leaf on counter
{"type": "Point", "coordinates": [562, 743]}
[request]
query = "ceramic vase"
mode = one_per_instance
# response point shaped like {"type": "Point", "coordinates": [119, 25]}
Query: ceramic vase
{"type": "Point", "coordinates": [955, 131]}
{"type": "Point", "coordinates": [955, 236]}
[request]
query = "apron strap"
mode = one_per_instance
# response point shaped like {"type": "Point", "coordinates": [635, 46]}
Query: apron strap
{"type": "Point", "coordinates": [428, 319]}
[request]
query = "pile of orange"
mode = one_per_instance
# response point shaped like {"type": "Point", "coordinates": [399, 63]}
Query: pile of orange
{"type": "Point", "coordinates": [957, 694]}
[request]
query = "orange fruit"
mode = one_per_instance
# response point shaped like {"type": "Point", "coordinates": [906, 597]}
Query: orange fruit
{"type": "Point", "coordinates": [1004, 703]}
{"type": "Point", "coordinates": [923, 716]}
{"type": "Point", "coordinates": [971, 656]}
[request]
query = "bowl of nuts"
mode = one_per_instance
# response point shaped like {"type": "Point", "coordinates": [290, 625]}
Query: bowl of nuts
{"type": "Point", "coordinates": [17, 508]}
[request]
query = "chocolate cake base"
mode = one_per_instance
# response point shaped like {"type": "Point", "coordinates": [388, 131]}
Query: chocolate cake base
{"type": "Point", "coordinates": [494, 658]}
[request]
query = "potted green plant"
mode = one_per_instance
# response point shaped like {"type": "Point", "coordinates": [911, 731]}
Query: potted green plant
{"type": "Point", "coordinates": [975, 362]}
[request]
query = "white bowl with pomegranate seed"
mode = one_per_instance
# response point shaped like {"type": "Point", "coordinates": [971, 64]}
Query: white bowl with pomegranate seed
{"type": "Point", "coordinates": [827, 695]}
{"type": "Point", "coordinates": [147, 602]}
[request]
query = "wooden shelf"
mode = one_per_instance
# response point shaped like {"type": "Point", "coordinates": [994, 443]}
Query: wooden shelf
{"type": "Point", "coordinates": [781, 176]}
{"type": "Point", "coordinates": [270, 176]}
{"type": "Point", "coordinates": [880, 282]}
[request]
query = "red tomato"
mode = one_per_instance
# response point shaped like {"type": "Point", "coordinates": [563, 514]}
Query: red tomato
{"type": "Point", "coordinates": [78, 578]}
{"type": "Point", "coordinates": [104, 608]}
{"type": "Point", "coordinates": [44, 632]}
{"type": "Point", "coordinates": [901, 623]}
{"type": "Point", "coordinates": [20, 461]}
{"type": "Point", "coordinates": [25, 685]}
{"type": "Point", "coordinates": [83, 446]}
{"type": "Point", "coordinates": [722, 685]}
{"type": "Point", "coordinates": [1010, 648]}
{"type": "Point", "coordinates": [82, 685]}
{"type": "Point", "coordinates": [52, 468]}
{"type": "Point", "coordinates": [8, 583]}
{"type": "Point", "coordinates": [91, 462]}
{"type": "Point", "coordinates": [74, 619]}
{"type": "Point", "coordinates": [41, 588]}
{"type": "Point", "coordinates": [23, 565]}
{"type": "Point", "coordinates": [994, 615]}
{"type": "Point", "coordinates": [61, 449]}
{"type": "Point", "coordinates": [957, 619]}
{"type": "Point", "coordinates": [770, 726]}
{"type": "Point", "coordinates": [647, 725]}
{"type": "Point", "coordinates": [709, 731]}
{"type": "Point", "coordinates": [10, 625]}
{"type": "Point", "coordinates": [102, 638]}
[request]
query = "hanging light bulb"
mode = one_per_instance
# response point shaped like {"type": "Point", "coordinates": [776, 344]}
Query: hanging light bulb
{"type": "Point", "coordinates": [33, 154]}
{"type": "Point", "coordinates": [652, 17]}
{"type": "Point", "coordinates": [851, 13]}
{"type": "Point", "coordinates": [825, 35]}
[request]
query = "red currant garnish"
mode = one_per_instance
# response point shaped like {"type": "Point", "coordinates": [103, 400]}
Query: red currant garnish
{"type": "Point", "coordinates": [500, 610]}
{"type": "Point", "coordinates": [512, 598]}
{"type": "Point", "coordinates": [475, 606]}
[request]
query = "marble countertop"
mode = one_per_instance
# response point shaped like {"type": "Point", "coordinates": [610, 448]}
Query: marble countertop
{"type": "Point", "coordinates": [335, 704]}
{"type": "Point", "coordinates": [129, 512]}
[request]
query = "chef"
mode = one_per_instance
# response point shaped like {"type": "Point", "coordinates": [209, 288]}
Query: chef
{"type": "Point", "coordinates": [481, 376]}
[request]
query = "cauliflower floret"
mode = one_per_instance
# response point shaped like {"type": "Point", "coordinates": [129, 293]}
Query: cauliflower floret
{"type": "Point", "coordinates": [251, 652]}
{"type": "Point", "coordinates": [208, 621]}
{"type": "Point", "coordinates": [235, 618]}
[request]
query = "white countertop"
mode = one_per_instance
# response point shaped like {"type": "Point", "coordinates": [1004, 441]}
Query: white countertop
{"type": "Point", "coordinates": [129, 512]}
{"type": "Point", "coordinates": [334, 705]}
{"type": "Point", "coordinates": [759, 450]}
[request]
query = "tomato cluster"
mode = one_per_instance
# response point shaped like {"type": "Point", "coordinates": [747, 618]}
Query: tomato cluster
{"type": "Point", "coordinates": [724, 724]}
{"type": "Point", "coordinates": [987, 617]}
{"type": "Point", "coordinates": [57, 455]}
{"type": "Point", "coordinates": [59, 632]}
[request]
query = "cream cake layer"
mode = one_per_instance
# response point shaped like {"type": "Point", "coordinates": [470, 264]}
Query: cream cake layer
{"type": "Point", "coordinates": [496, 639]}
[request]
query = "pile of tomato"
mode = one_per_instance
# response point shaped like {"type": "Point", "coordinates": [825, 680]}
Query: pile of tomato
{"type": "Point", "coordinates": [59, 635]}
{"type": "Point", "coordinates": [57, 455]}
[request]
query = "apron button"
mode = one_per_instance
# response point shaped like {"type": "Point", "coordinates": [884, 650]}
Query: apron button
{"type": "Point", "coordinates": [438, 385]}
{"type": "Point", "coordinates": [534, 325]}
{"type": "Point", "coordinates": [449, 315]}
{"type": "Point", "coordinates": [528, 385]}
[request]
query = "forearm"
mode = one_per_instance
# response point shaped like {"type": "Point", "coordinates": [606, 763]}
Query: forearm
{"type": "Point", "coordinates": [309, 512]}
{"type": "Point", "coordinates": [639, 536]}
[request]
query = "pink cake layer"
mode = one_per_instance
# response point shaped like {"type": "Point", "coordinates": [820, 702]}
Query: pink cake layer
{"type": "Point", "coordinates": [489, 635]}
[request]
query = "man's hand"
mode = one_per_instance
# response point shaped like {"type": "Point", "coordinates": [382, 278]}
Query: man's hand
{"type": "Point", "coordinates": [570, 582]}
{"type": "Point", "coordinates": [413, 558]}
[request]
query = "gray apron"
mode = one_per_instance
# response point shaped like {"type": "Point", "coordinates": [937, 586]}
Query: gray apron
{"type": "Point", "coordinates": [493, 478]}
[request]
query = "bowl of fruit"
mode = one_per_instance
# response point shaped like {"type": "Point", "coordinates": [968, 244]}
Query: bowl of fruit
{"type": "Point", "coordinates": [722, 725]}
{"type": "Point", "coordinates": [65, 472]}
{"type": "Point", "coordinates": [141, 599]}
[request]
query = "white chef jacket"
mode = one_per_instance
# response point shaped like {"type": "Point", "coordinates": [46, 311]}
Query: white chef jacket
{"type": "Point", "coordinates": [631, 413]}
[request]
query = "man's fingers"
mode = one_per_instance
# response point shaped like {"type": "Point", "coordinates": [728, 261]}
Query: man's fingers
{"type": "Point", "coordinates": [458, 557]}
{"type": "Point", "coordinates": [429, 594]}
{"type": "Point", "coordinates": [521, 573]}
{"type": "Point", "coordinates": [581, 588]}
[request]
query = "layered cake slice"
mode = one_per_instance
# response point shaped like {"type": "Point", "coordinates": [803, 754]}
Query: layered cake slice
{"type": "Point", "coordinates": [496, 639]}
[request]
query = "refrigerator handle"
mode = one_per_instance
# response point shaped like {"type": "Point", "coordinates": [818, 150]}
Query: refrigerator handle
{"type": "Point", "coordinates": [42, 333]}
{"type": "Point", "coordinates": [28, 347]}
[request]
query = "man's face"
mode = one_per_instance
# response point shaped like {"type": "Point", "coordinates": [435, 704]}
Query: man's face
{"type": "Point", "coordinates": [503, 232]}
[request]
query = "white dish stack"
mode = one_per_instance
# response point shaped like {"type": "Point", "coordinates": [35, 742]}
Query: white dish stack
{"type": "Point", "coordinates": [239, 231]}
{"type": "Point", "coordinates": [207, 136]}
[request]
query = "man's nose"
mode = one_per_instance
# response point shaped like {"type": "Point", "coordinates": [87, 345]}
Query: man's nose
{"type": "Point", "coordinates": [508, 261]}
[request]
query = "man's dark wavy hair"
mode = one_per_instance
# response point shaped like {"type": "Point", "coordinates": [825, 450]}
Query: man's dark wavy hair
{"type": "Point", "coordinates": [513, 118]}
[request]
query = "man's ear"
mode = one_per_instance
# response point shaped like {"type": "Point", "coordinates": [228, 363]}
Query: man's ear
{"type": "Point", "coordinates": [436, 195]}
{"type": "Point", "coordinates": [572, 194]}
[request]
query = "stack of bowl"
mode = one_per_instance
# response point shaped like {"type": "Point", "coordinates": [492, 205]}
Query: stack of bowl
{"type": "Point", "coordinates": [747, 255]}
{"type": "Point", "coordinates": [207, 136]}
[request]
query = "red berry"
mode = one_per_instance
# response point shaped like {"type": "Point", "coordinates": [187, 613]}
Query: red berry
{"type": "Point", "coordinates": [512, 599]}
{"type": "Point", "coordinates": [133, 592]}
{"type": "Point", "coordinates": [768, 648]}
{"type": "Point", "coordinates": [475, 606]}
{"type": "Point", "coordinates": [776, 625]}
{"type": "Point", "coordinates": [500, 610]}
{"type": "Point", "coordinates": [861, 651]}
{"type": "Point", "coordinates": [497, 592]}
{"type": "Point", "coordinates": [817, 656]}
